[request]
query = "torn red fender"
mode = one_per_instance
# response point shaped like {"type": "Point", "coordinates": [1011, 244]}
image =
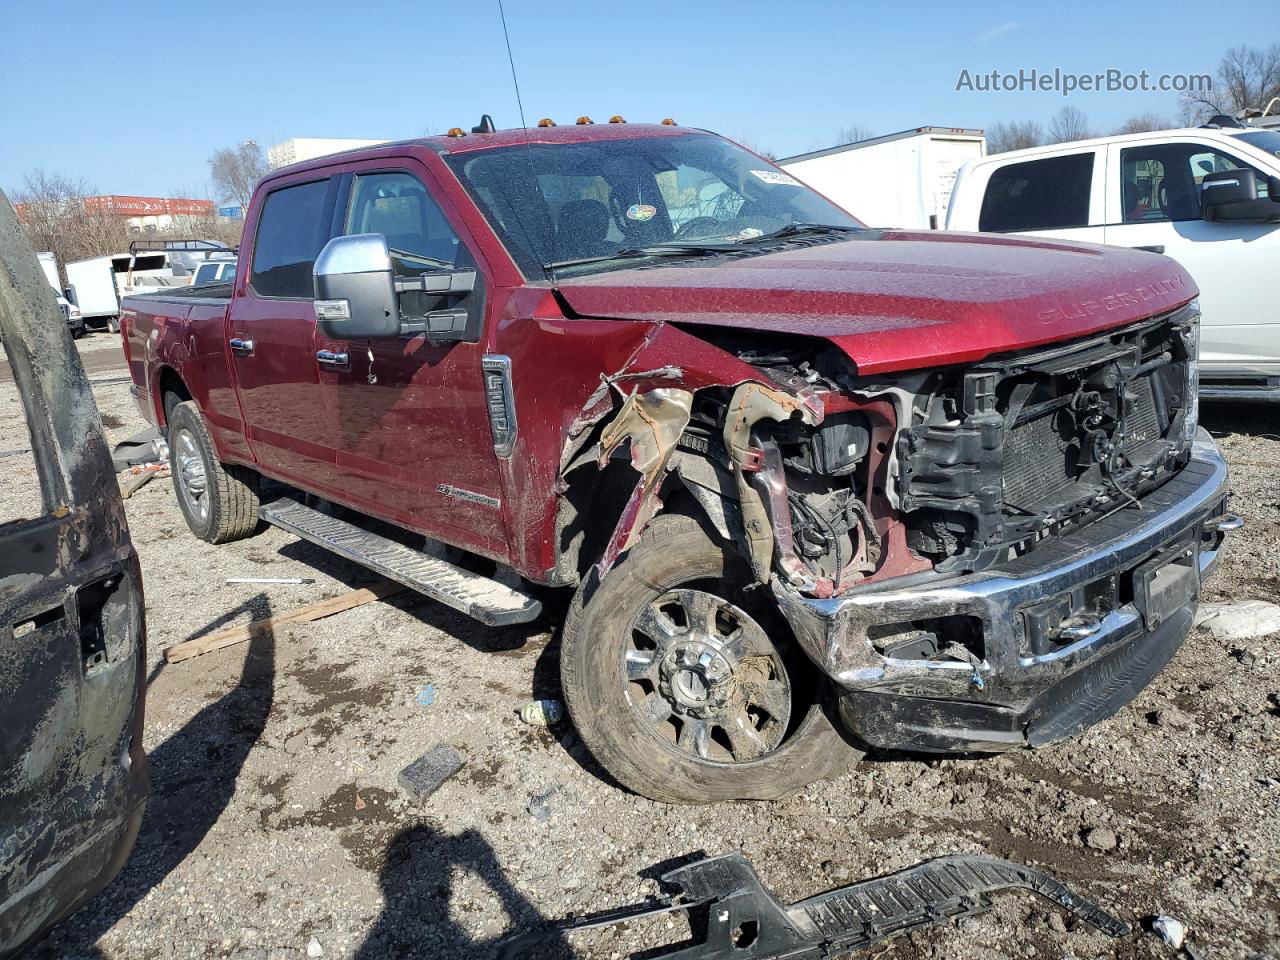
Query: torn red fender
{"type": "Point", "coordinates": [652, 423]}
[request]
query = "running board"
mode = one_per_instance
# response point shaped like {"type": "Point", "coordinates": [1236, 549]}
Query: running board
{"type": "Point", "coordinates": [488, 601]}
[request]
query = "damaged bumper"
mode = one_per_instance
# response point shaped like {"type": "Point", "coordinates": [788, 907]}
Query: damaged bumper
{"type": "Point", "coordinates": [1034, 650]}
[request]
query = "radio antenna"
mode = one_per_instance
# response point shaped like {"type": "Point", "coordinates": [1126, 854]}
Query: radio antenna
{"type": "Point", "coordinates": [515, 81]}
{"type": "Point", "coordinates": [547, 269]}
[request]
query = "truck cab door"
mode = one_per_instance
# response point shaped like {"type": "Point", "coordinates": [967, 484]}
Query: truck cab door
{"type": "Point", "coordinates": [1154, 204]}
{"type": "Point", "coordinates": [72, 659]}
{"type": "Point", "coordinates": [1057, 195]}
{"type": "Point", "coordinates": [409, 419]}
{"type": "Point", "coordinates": [270, 335]}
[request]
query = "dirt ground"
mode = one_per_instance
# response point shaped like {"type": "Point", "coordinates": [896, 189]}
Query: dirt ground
{"type": "Point", "coordinates": [276, 819]}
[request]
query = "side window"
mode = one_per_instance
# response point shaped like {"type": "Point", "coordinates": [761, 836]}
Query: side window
{"type": "Point", "coordinates": [207, 273]}
{"type": "Point", "coordinates": [1048, 194]}
{"type": "Point", "coordinates": [1161, 182]}
{"type": "Point", "coordinates": [292, 230]}
{"type": "Point", "coordinates": [399, 207]}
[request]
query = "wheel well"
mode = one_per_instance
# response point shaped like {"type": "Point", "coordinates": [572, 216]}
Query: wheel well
{"type": "Point", "coordinates": [172, 392]}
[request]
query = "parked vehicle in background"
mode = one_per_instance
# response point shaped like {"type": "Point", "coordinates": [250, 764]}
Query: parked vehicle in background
{"type": "Point", "coordinates": [214, 271]}
{"type": "Point", "coordinates": [182, 257]}
{"type": "Point", "coordinates": [70, 312]}
{"type": "Point", "coordinates": [99, 282]}
{"type": "Point", "coordinates": [899, 180]}
{"type": "Point", "coordinates": [72, 638]}
{"type": "Point", "coordinates": [793, 468]}
{"type": "Point", "coordinates": [1208, 197]}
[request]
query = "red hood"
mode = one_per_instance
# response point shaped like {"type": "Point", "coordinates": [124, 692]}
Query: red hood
{"type": "Point", "coordinates": [896, 300]}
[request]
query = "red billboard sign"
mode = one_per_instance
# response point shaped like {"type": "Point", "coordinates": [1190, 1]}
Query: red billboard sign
{"type": "Point", "coordinates": [148, 206]}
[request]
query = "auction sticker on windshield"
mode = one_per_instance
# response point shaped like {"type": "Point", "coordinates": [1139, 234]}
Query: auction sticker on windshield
{"type": "Point", "coordinates": [776, 176]}
{"type": "Point", "coordinates": [641, 211]}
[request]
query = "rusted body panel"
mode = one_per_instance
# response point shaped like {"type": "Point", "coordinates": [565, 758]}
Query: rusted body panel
{"type": "Point", "coordinates": [72, 770]}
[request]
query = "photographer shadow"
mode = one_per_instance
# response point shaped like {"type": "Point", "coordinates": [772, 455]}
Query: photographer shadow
{"type": "Point", "coordinates": [417, 887]}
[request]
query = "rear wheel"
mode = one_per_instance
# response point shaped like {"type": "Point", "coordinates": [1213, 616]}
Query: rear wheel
{"type": "Point", "coordinates": [219, 502]}
{"type": "Point", "coordinates": [686, 686]}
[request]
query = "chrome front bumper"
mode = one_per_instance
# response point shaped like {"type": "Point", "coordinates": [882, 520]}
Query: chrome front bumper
{"type": "Point", "coordinates": [1017, 689]}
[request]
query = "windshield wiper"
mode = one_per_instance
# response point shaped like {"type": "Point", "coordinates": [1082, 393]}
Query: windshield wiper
{"type": "Point", "coordinates": [802, 229]}
{"type": "Point", "coordinates": [654, 250]}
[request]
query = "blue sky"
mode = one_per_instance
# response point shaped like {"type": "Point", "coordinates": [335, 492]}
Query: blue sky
{"type": "Point", "coordinates": [135, 98]}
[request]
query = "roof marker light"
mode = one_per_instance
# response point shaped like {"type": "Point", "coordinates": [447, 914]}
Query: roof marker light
{"type": "Point", "coordinates": [455, 132]}
{"type": "Point", "coordinates": [546, 122]}
{"type": "Point", "coordinates": [583, 121]}
{"type": "Point", "coordinates": [668, 122]}
{"type": "Point", "coordinates": [616, 119]}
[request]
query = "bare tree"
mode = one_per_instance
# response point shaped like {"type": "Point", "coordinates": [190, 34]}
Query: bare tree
{"type": "Point", "coordinates": [1144, 123]}
{"type": "Point", "coordinates": [235, 171]}
{"type": "Point", "coordinates": [1014, 135]}
{"type": "Point", "coordinates": [852, 133]}
{"type": "Point", "coordinates": [1069, 124]}
{"type": "Point", "coordinates": [1248, 78]}
{"type": "Point", "coordinates": [52, 208]}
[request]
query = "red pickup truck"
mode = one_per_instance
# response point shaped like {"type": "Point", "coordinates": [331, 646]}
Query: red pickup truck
{"type": "Point", "coordinates": [816, 486]}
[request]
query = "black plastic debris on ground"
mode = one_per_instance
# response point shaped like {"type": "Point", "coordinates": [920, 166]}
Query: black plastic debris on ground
{"type": "Point", "coordinates": [424, 776]}
{"type": "Point", "coordinates": [746, 922]}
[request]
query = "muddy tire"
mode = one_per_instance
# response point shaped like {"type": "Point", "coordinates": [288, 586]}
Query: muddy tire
{"type": "Point", "coordinates": [219, 502]}
{"type": "Point", "coordinates": [686, 687]}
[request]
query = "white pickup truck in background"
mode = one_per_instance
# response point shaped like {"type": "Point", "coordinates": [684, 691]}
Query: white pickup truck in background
{"type": "Point", "coordinates": [1208, 197]}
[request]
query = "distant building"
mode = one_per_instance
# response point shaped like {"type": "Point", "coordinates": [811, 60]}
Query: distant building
{"type": "Point", "coordinates": [297, 149]}
{"type": "Point", "coordinates": [143, 214]}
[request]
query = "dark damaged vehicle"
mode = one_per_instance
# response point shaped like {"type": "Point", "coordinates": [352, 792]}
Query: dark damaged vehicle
{"type": "Point", "coordinates": [816, 486]}
{"type": "Point", "coordinates": [72, 772]}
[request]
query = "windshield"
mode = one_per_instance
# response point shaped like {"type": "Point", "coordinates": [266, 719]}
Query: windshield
{"type": "Point", "coordinates": [1266, 140]}
{"type": "Point", "coordinates": [598, 199]}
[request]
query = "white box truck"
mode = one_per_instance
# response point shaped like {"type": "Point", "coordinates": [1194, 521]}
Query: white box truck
{"type": "Point", "coordinates": [93, 287]}
{"type": "Point", "coordinates": [70, 312]}
{"type": "Point", "coordinates": [899, 180]}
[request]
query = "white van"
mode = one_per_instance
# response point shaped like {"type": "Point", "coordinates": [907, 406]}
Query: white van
{"type": "Point", "coordinates": [99, 282]}
{"type": "Point", "coordinates": [1208, 197]}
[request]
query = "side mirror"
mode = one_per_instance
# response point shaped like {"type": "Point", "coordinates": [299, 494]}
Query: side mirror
{"type": "Point", "coordinates": [355, 288]}
{"type": "Point", "coordinates": [1232, 195]}
{"type": "Point", "coordinates": [357, 295]}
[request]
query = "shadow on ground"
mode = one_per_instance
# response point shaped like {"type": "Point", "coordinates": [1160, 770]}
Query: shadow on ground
{"type": "Point", "coordinates": [417, 879]}
{"type": "Point", "coordinates": [193, 778]}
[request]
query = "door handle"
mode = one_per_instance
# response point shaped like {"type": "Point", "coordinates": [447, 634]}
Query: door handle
{"type": "Point", "coordinates": [1154, 248]}
{"type": "Point", "coordinates": [241, 346]}
{"type": "Point", "coordinates": [334, 359]}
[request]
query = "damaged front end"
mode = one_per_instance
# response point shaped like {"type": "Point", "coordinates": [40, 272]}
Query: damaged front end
{"type": "Point", "coordinates": [980, 557]}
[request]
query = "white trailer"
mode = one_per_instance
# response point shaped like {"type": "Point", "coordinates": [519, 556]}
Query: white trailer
{"type": "Point", "coordinates": [899, 180]}
{"type": "Point", "coordinates": [93, 285]}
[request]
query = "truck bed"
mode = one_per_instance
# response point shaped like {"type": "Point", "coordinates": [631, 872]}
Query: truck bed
{"type": "Point", "coordinates": [211, 292]}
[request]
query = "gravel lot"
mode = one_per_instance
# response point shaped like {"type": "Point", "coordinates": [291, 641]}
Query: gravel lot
{"type": "Point", "coordinates": [276, 819]}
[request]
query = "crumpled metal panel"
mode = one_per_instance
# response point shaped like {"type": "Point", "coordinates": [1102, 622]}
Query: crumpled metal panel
{"type": "Point", "coordinates": [72, 771]}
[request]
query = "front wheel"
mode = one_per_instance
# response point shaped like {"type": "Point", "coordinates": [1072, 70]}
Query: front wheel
{"type": "Point", "coordinates": [686, 686]}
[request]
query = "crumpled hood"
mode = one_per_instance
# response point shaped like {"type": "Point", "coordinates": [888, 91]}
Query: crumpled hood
{"type": "Point", "coordinates": [898, 300]}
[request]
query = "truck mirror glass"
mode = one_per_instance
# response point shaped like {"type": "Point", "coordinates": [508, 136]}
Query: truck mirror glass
{"type": "Point", "coordinates": [355, 288]}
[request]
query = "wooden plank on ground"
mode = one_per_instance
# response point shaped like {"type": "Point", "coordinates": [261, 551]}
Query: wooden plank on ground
{"type": "Point", "coordinates": [312, 611]}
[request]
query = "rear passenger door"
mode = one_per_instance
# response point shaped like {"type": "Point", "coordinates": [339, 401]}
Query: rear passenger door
{"type": "Point", "coordinates": [271, 333]}
{"type": "Point", "coordinates": [409, 418]}
{"type": "Point", "coordinates": [1055, 196]}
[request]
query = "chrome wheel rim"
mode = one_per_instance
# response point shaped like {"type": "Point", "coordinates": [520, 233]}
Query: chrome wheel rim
{"type": "Point", "coordinates": [705, 678]}
{"type": "Point", "coordinates": [193, 482]}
